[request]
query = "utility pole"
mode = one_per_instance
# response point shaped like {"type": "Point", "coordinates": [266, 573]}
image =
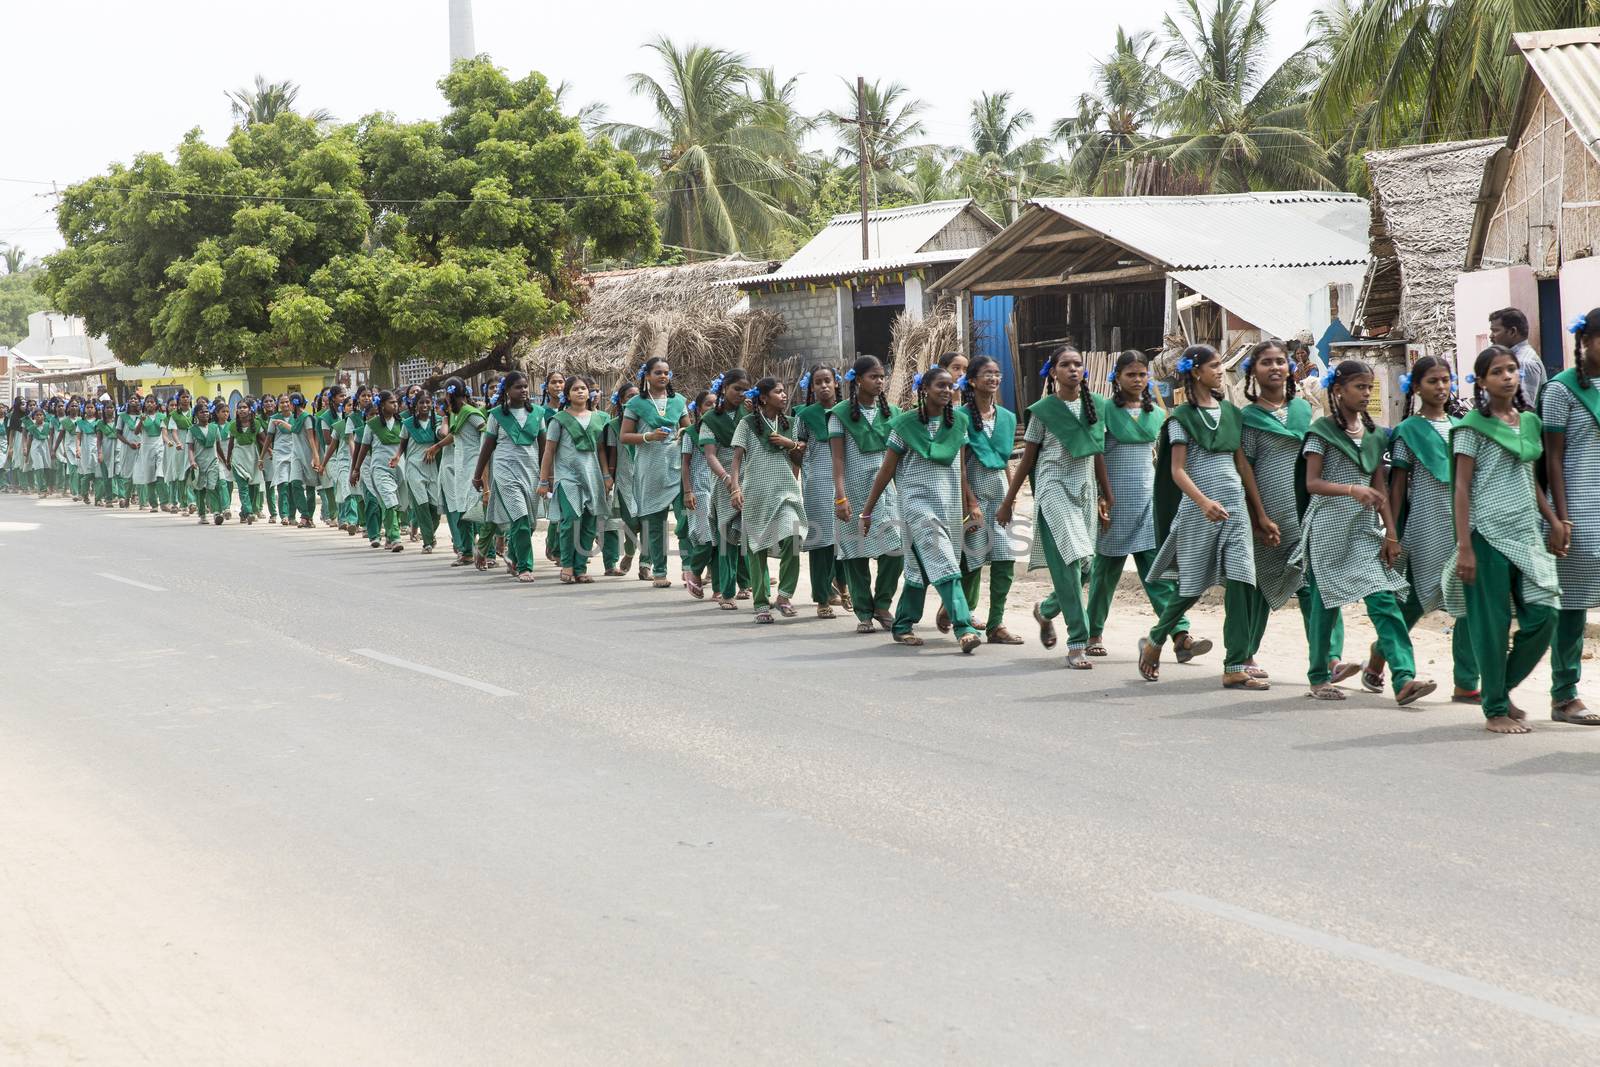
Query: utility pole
{"type": "Point", "coordinates": [862, 161]}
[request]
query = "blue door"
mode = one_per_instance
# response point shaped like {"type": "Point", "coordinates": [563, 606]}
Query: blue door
{"type": "Point", "coordinates": [991, 319]}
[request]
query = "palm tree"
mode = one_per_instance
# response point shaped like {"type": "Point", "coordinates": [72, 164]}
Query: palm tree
{"type": "Point", "coordinates": [717, 157]}
{"type": "Point", "coordinates": [1120, 115]}
{"type": "Point", "coordinates": [1234, 123]}
{"type": "Point", "coordinates": [1004, 160]}
{"type": "Point", "coordinates": [267, 101]}
{"type": "Point", "coordinates": [14, 256]}
{"type": "Point", "coordinates": [892, 130]}
{"type": "Point", "coordinates": [1441, 67]}
{"type": "Point", "coordinates": [930, 177]}
{"type": "Point", "coordinates": [1330, 29]}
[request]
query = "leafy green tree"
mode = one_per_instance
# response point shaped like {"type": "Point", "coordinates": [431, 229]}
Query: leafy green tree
{"type": "Point", "coordinates": [266, 101]}
{"type": "Point", "coordinates": [456, 239]}
{"type": "Point", "coordinates": [892, 135]}
{"type": "Point", "coordinates": [1005, 165]}
{"type": "Point", "coordinates": [1235, 122]}
{"type": "Point", "coordinates": [1119, 115]}
{"type": "Point", "coordinates": [20, 297]}
{"type": "Point", "coordinates": [1436, 69]}
{"type": "Point", "coordinates": [13, 256]}
{"type": "Point", "coordinates": [720, 156]}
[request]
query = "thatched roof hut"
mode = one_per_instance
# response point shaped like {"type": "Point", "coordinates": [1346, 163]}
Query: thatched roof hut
{"type": "Point", "coordinates": [670, 311]}
{"type": "Point", "coordinates": [1423, 200]}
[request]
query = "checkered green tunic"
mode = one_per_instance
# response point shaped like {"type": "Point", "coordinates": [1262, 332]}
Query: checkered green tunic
{"type": "Point", "coordinates": [1273, 458]}
{"type": "Point", "coordinates": [461, 463]}
{"type": "Point", "coordinates": [816, 488]}
{"type": "Point", "coordinates": [1580, 570]}
{"type": "Point", "coordinates": [931, 511]}
{"type": "Point", "coordinates": [773, 511]}
{"type": "Point", "coordinates": [1200, 553]}
{"type": "Point", "coordinates": [513, 474]}
{"type": "Point", "coordinates": [1131, 469]}
{"type": "Point", "coordinates": [1065, 495]}
{"type": "Point", "coordinates": [860, 469]}
{"type": "Point", "coordinates": [622, 476]}
{"type": "Point", "coordinates": [1342, 539]}
{"type": "Point", "coordinates": [381, 480]}
{"type": "Point", "coordinates": [577, 474]}
{"type": "Point", "coordinates": [991, 541]}
{"type": "Point", "coordinates": [724, 519]}
{"type": "Point", "coordinates": [1505, 513]}
{"type": "Point", "coordinates": [700, 530]}
{"type": "Point", "coordinates": [1430, 535]}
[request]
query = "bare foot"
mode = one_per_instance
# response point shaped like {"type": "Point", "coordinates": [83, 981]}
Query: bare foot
{"type": "Point", "coordinates": [1505, 724]}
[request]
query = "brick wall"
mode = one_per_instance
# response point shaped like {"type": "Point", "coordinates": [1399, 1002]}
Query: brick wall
{"type": "Point", "coordinates": [813, 319]}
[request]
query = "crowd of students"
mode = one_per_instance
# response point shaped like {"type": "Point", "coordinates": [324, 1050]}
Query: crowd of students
{"type": "Point", "coordinates": [1484, 509]}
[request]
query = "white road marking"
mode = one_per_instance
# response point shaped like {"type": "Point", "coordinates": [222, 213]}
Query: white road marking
{"type": "Point", "coordinates": [434, 672]}
{"type": "Point", "coordinates": [18, 527]}
{"type": "Point", "coordinates": [1577, 1022]}
{"type": "Point", "coordinates": [129, 581]}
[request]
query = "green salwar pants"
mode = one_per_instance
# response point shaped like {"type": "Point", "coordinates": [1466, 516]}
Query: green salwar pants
{"type": "Point", "coordinates": [728, 564]}
{"type": "Point", "coordinates": [1383, 609]}
{"type": "Point", "coordinates": [577, 541]}
{"type": "Point", "coordinates": [1492, 598]}
{"type": "Point", "coordinates": [247, 499]}
{"type": "Point", "coordinates": [699, 560]}
{"type": "Point", "coordinates": [484, 541]}
{"type": "Point", "coordinates": [272, 498]}
{"type": "Point", "coordinates": [611, 546]}
{"type": "Point", "coordinates": [1066, 596]}
{"type": "Point", "coordinates": [1104, 574]}
{"type": "Point", "coordinates": [914, 598]}
{"type": "Point", "coordinates": [374, 515]}
{"type": "Point", "coordinates": [1261, 615]}
{"type": "Point", "coordinates": [519, 545]}
{"type": "Point", "coordinates": [788, 552]}
{"type": "Point", "coordinates": [209, 500]}
{"type": "Point", "coordinates": [350, 510]}
{"type": "Point", "coordinates": [822, 570]}
{"type": "Point", "coordinates": [425, 517]}
{"type": "Point", "coordinates": [460, 533]}
{"type": "Point", "coordinates": [1236, 616]}
{"type": "Point", "coordinates": [653, 537]}
{"type": "Point", "coordinates": [293, 501]}
{"type": "Point", "coordinates": [1464, 665]}
{"type": "Point", "coordinates": [869, 596]}
{"type": "Point", "coordinates": [1566, 655]}
{"type": "Point", "coordinates": [1002, 572]}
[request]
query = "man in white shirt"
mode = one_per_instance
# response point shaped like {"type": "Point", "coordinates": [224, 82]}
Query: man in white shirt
{"type": "Point", "coordinates": [1508, 327]}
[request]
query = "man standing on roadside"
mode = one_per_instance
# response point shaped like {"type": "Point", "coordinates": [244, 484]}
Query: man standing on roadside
{"type": "Point", "coordinates": [1508, 327]}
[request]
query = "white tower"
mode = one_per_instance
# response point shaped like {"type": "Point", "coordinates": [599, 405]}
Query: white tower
{"type": "Point", "coordinates": [461, 43]}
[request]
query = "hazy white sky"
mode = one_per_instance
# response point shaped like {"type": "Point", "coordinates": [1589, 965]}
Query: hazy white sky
{"type": "Point", "coordinates": [92, 81]}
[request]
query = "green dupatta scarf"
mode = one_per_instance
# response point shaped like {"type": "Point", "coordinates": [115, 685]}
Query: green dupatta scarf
{"type": "Point", "coordinates": [941, 448]}
{"type": "Point", "coordinates": [236, 434]}
{"type": "Point", "coordinates": [871, 436]}
{"type": "Point", "coordinates": [642, 410]}
{"type": "Point", "coordinates": [1589, 397]}
{"type": "Point", "coordinates": [993, 450]}
{"type": "Point", "coordinates": [583, 438]}
{"type": "Point", "coordinates": [525, 435]}
{"type": "Point", "coordinates": [815, 418]}
{"type": "Point", "coordinates": [1127, 429]}
{"type": "Point", "coordinates": [1295, 425]}
{"type": "Point", "coordinates": [383, 433]}
{"type": "Point", "coordinates": [459, 419]}
{"type": "Point", "coordinates": [1075, 436]}
{"type": "Point", "coordinates": [1426, 444]}
{"type": "Point", "coordinates": [1525, 445]}
{"type": "Point", "coordinates": [721, 424]}
{"type": "Point", "coordinates": [422, 435]}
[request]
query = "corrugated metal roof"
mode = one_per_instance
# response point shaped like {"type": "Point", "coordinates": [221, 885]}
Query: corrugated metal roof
{"type": "Point", "coordinates": [1272, 300]}
{"type": "Point", "coordinates": [1568, 63]}
{"type": "Point", "coordinates": [1289, 229]}
{"type": "Point", "coordinates": [896, 237]}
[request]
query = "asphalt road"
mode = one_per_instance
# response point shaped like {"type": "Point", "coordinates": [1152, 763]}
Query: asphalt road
{"type": "Point", "coordinates": [635, 829]}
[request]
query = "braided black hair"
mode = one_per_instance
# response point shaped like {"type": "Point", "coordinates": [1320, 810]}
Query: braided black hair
{"type": "Point", "coordinates": [1252, 391]}
{"type": "Point", "coordinates": [1589, 327]}
{"type": "Point", "coordinates": [969, 394]}
{"type": "Point", "coordinates": [1124, 361]}
{"type": "Point", "coordinates": [702, 400]}
{"type": "Point", "coordinates": [730, 378]}
{"type": "Point", "coordinates": [566, 391]}
{"type": "Point", "coordinates": [1198, 356]}
{"type": "Point", "coordinates": [923, 385]}
{"type": "Point", "coordinates": [644, 373]}
{"type": "Point", "coordinates": [1089, 414]}
{"type": "Point", "coordinates": [811, 378]}
{"type": "Point", "coordinates": [1419, 370]}
{"type": "Point", "coordinates": [511, 378]}
{"type": "Point", "coordinates": [1344, 371]}
{"type": "Point", "coordinates": [864, 365]}
{"type": "Point", "coordinates": [763, 387]}
{"type": "Point", "coordinates": [544, 390]}
{"type": "Point", "coordinates": [1480, 370]}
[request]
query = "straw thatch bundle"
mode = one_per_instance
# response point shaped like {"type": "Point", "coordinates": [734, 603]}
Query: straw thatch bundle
{"type": "Point", "coordinates": [915, 344]}
{"type": "Point", "coordinates": [1423, 200]}
{"type": "Point", "coordinates": [674, 312]}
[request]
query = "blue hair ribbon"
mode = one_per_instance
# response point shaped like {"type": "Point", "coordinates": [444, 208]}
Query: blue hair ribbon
{"type": "Point", "coordinates": [1328, 376]}
{"type": "Point", "coordinates": [1293, 366]}
{"type": "Point", "coordinates": [1405, 383]}
{"type": "Point", "coordinates": [1245, 366]}
{"type": "Point", "coordinates": [1471, 378]}
{"type": "Point", "coordinates": [1185, 364]}
{"type": "Point", "coordinates": [1111, 377]}
{"type": "Point", "coordinates": [804, 383]}
{"type": "Point", "coordinates": [916, 380]}
{"type": "Point", "coordinates": [691, 404]}
{"type": "Point", "coordinates": [751, 393]}
{"type": "Point", "coordinates": [641, 373]}
{"type": "Point", "coordinates": [850, 375]}
{"type": "Point", "coordinates": [716, 383]}
{"type": "Point", "coordinates": [961, 384]}
{"type": "Point", "coordinates": [1578, 324]}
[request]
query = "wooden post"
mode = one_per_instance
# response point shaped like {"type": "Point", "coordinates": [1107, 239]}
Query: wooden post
{"type": "Point", "coordinates": [862, 161]}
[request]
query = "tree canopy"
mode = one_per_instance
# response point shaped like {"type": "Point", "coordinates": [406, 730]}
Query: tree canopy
{"type": "Point", "coordinates": [297, 241]}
